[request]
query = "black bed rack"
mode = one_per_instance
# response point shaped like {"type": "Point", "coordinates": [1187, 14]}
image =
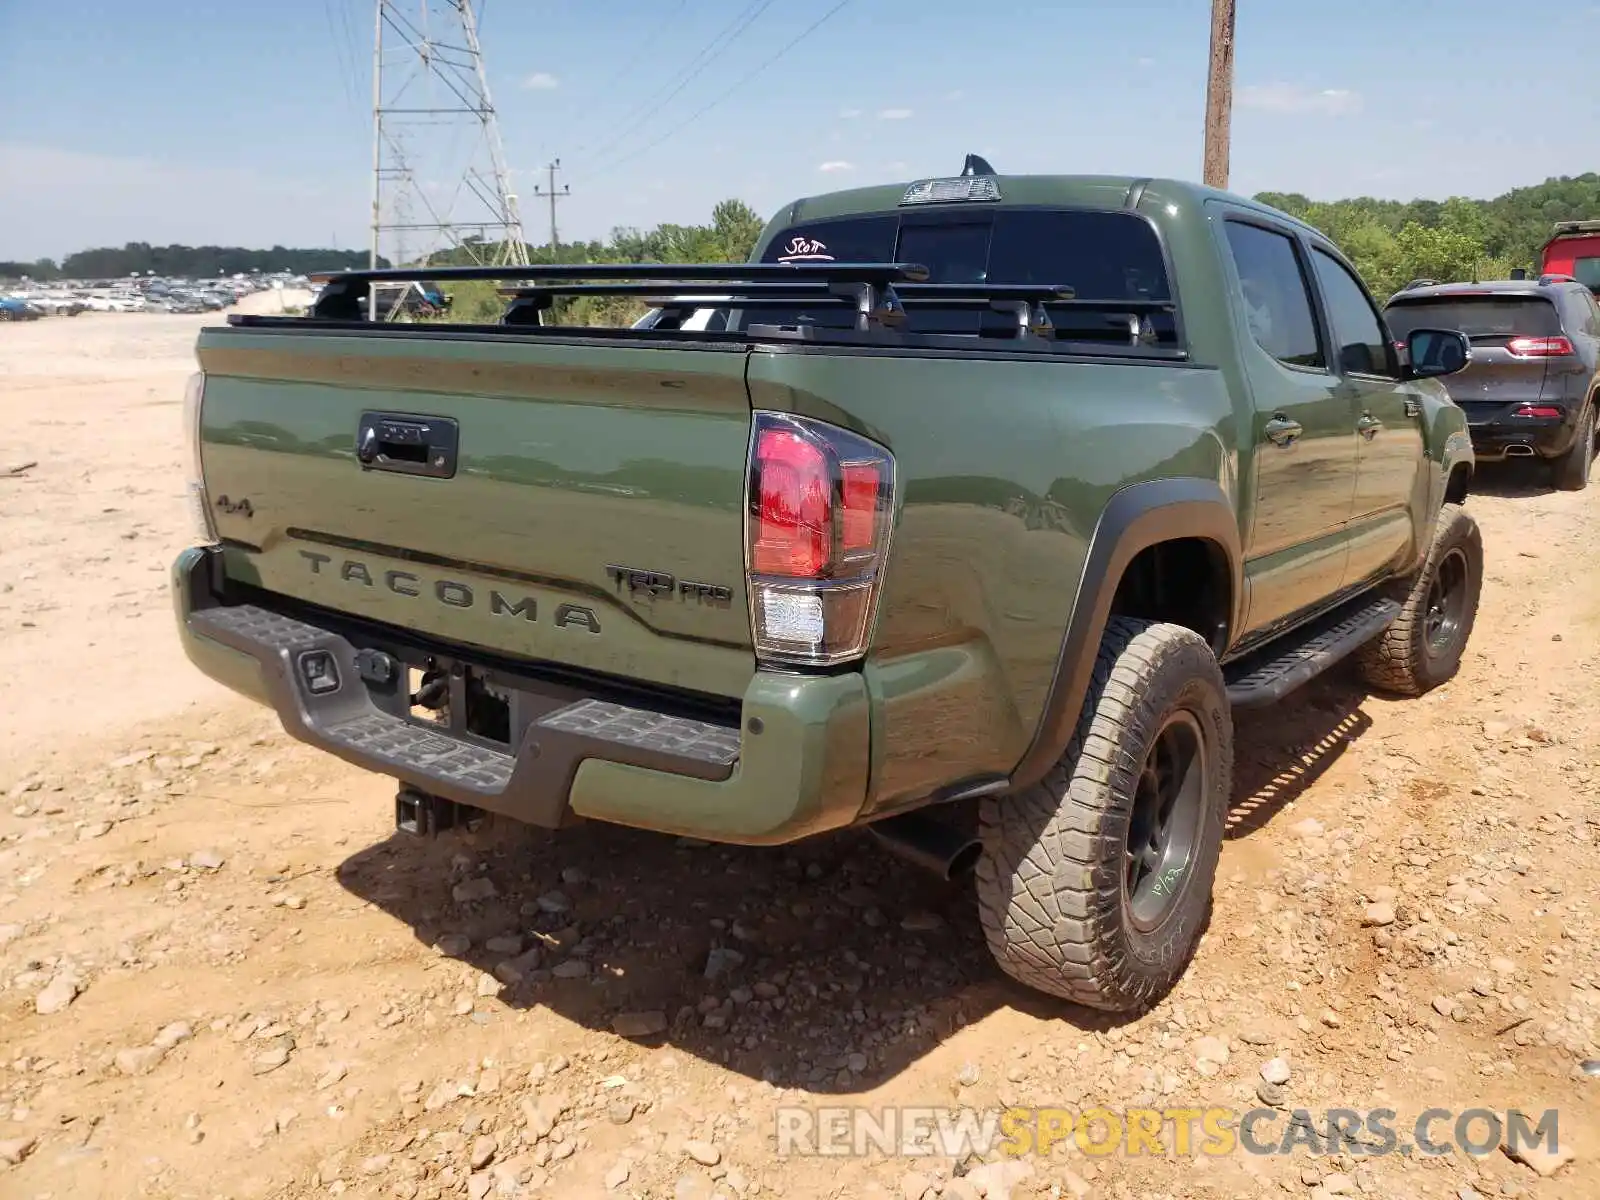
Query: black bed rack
{"type": "Point", "coordinates": [877, 292]}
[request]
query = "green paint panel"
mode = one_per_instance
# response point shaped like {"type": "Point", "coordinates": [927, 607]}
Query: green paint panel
{"type": "Point", "coordinates": [571, 459]}
{"type": "Point", "coordinates": [1004, 467]}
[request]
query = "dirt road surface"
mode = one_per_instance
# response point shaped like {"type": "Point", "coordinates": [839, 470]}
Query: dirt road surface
{"type": "Point", "coordinates": [223, 975]}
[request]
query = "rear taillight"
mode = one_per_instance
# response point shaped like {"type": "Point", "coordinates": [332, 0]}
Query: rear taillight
{"type": "Point", "coordinates": [194, 395]}
{"type": "Point", "coordinates": [819, 506]}
{"type": "Point", "coordinates": [1539, 347]}
{"type": "Point", "coordinates": [1539, 410]}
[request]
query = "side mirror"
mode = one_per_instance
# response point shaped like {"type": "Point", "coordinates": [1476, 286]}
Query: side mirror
{"type": "Point", "coordinates": [1436, 352]}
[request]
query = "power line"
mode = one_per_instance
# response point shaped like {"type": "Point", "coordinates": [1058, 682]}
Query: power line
{"type": "Point", "coordinates": [676, 129]}
{"type": "Point", "coordinates": [643, 49]}
{"type": "Point", "coordinates": [651, 107]}
{"type": "Point", "coordinates": [347, 68]}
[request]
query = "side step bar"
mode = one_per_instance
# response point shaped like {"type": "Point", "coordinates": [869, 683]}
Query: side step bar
{"type": "Point", "coordinates": [1301, 655]}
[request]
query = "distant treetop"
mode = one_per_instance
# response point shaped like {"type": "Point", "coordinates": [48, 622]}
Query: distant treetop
{"type": "Point", "coordinates": [1455, 240]}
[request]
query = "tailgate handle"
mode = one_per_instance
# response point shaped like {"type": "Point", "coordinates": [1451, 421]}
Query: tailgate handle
{"type": "Point", "coordinates": [407, 444]}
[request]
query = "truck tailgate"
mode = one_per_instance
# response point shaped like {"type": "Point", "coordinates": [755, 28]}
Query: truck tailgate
{"type": "Point", "coordinates": [573, 465]}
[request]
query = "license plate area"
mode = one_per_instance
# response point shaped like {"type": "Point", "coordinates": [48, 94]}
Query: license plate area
{"type": "Point", "coordinates": [471, 702]}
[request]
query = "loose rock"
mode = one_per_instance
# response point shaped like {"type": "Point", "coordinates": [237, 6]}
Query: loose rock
{"type": "Point", "coordinates": [473, 890]}
{"type": "Point", "coordinates": [14, 1150]}
{"type": "Point", "coordinates": [270, 1060]}
{"type": "Point", "coordinates": [1212, 1049]}
{"type": "Point", "coordinates": [721, 960]}
{"type": "Point", "coordinates": [1541, 1160]}
{"type": "Point", "coordinates": [1378, 915]}
{"type": "Point", "coordinates": [138, 1060]}
{"type": "Point", "coordinates": [1275, 1070]}
{"type": "Point", "coordinates": [639, 1024]}
{"type": "Point", "coordinates": [56, 995]}
{"type": "Point", "coordinates": [1271, 1094]}
{"type": "Point", "coordinates": [703, 1153]}
{"type": "Point", "coordinates": [171, 1035]}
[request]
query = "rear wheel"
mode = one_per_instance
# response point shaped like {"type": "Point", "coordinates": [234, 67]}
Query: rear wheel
{"type": "Point", "coordinates": [1572, 468]}
{"type": "Point", "coordinates": [1439, 605]}
{"type": "Point", "coordinates": [1095, 884]}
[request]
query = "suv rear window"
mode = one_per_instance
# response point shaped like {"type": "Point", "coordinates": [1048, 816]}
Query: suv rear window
{"type": "Point", "coordinates": [1102, 255]}
{"type": "Point", "coordinates": [1481, 318]}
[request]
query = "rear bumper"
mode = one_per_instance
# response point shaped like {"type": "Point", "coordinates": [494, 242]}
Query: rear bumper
{"type": "Point", "coordinates": [1540, 437]}
{"type": "Point", "coordinates": [796, 763]}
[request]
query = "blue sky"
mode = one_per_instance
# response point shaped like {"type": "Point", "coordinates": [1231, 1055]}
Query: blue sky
{"type": "Point", "coordinates": [249, 123]}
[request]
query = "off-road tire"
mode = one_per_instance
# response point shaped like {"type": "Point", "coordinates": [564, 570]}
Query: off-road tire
{"type": "Point", "coordinates": [1402, 659]}
{"type": "Point", "coordinates": [1571, 470]}
{"type": "Point", "coordinates": [1050, 883]}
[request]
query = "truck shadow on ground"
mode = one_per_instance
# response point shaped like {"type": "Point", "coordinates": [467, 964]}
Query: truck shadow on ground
{"type": "Point", "coordinates": [1280, 752]}
{"type": "Point", "coordinates": [828, 965]}
{"type": "Point", "coordinates": [1512, 479]}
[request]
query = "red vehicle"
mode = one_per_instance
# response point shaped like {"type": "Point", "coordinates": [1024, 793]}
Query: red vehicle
{"type": "Point", "coordinates": [1574, 249]}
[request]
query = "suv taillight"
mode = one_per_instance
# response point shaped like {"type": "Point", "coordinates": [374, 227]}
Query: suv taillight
{"type": "Point", "coordinates": [1539, 347]}
{"type": "Point", "coordinates": [818, 509]}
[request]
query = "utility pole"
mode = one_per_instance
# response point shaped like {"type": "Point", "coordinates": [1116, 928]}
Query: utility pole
{"type": "Point", "coordinates": [553, 195]}
{"type": "Point", "coordinates": [1219, 95]}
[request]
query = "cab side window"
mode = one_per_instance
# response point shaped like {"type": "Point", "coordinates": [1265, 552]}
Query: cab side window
{"type": "Point", "coordinates": [1276, 299]}
{"type": "Point", "coordinates": [1364, 348]}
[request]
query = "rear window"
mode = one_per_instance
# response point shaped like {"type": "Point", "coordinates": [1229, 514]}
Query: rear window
{"type": "Point", "coordinates": [1108, 256]}
{"type": "Point", "coordinates": [1587, 272]}
{"type": "Point", "coordinates": [1481, 318]}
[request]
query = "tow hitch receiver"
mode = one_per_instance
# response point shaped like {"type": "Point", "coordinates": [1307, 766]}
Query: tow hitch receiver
{"type": "Point", "coordinates": [424, 815]}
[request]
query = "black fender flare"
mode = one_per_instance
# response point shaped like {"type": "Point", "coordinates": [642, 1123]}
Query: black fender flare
{"type": "Point", "coordinates": [1134, 519]}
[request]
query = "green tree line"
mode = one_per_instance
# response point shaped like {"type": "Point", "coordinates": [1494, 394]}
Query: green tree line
{"type": "Point", "coordinates": [184, 262]}
{"type": "Point", "coordinates": [1392, 242]}
{"type": "Point", "coordinates": [730, 237]}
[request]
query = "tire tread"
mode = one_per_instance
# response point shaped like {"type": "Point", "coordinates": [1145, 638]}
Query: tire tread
{"type": "Point", "coordinates": [1049, 908]}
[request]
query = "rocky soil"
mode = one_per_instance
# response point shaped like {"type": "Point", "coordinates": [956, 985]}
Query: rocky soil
{"type": "Point", "coordinates": [223, 975]}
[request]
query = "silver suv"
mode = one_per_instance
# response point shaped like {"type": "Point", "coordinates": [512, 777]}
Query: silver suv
{"type": "Point", "coordinates": [1532, 380]}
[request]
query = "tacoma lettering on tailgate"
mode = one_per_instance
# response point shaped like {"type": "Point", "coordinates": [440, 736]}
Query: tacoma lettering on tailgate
{"type": "Point", "coordinates": [451, 592]}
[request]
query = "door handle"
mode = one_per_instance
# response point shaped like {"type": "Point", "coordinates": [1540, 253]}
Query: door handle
{"type": "Point", "coordinates": [1368, 426]}
{"type": "Point", "coordinates": [408, 445]}
{"type": "Point", "coordinates": [1282, 431]}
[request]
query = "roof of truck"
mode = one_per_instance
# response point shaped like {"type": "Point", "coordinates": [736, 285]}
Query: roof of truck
{"type": "Point", "coordinates": [1088, 191]}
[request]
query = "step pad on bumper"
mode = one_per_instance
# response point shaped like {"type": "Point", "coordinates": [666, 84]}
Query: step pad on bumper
{"type": "Point", "coordinates": [333, 707]}
{"type": "Point", "coordinates": [406, 745]}
{"type": "Point", "coordinates": [647, 730]}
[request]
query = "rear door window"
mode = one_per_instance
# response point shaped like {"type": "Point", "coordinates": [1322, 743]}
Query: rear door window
{"type": "Point", "coordinates": [1106, 256]}
{"type": "Point", "coordinates": [1277, 299]}
{"type": "Point", "coordinates": [1486, 320]}
{"type": "Point", "coordinates": [1363, 348]}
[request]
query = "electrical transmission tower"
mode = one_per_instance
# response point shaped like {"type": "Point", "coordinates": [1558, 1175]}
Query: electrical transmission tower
{"type": "Point", "coordinates": [439, 177]}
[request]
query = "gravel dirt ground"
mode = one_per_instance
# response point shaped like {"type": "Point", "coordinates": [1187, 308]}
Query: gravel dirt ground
{"type": "Point", "coordinates": [223, 975]}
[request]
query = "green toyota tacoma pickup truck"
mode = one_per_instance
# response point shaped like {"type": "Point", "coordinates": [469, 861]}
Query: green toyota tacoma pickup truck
{"type": "Point", "coordinates": [986, 488]}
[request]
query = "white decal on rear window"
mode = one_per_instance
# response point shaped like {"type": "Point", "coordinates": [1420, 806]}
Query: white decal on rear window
{"type": "Point", "coordinates": [803, 249]}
